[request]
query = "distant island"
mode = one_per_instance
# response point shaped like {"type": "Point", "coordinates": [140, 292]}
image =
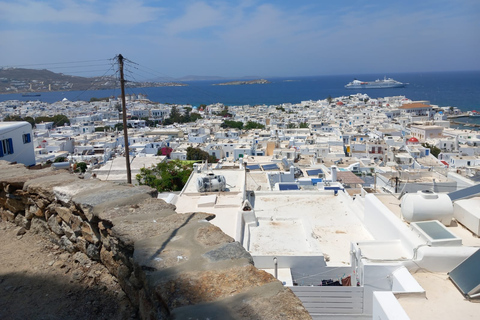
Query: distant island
{"type": "Point", "coordinates": [237, 83]}
{"type": "Point", "coordinates": [29, 81]}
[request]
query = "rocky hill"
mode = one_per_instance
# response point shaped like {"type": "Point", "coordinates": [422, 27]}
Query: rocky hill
{"type": "Point", "coordinates": [236, 83]}
{"type": "Point", "coordinates": [19, 80]}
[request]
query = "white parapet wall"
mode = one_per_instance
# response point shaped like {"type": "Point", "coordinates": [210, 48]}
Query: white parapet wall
{"type": "Point", "coordinates": [387, 307]}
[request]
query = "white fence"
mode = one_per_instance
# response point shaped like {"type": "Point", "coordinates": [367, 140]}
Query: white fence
{"type": "Point", "coordinates": [330, 300]}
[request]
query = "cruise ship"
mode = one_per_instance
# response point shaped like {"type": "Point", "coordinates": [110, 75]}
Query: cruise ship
{"type": "Point", "coordinates": [377, 84]}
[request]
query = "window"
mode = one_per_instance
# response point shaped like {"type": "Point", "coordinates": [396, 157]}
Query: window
{"type": "Point", "coordinates": [27, 138]}
{"type": "Point", "coordinates": [6, 147]}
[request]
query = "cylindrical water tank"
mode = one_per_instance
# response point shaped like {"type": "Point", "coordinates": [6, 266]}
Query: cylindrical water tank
{"type": "Point", "coordinates": [426, 205]}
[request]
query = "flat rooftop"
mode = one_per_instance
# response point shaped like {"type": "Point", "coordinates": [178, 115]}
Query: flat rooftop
{"type": "Point", "coordinates": [392, 203]}
{"type": "Point", "coordinates": [443, 300]}
{"type": "Point", "coordinates": [225, 205]}
{"type": "Point", "coordinates": [235, 179]}
{"type": "Point", "coordinates": [305, 223]}
{"type": "Point", "coordinates": [116, 169]}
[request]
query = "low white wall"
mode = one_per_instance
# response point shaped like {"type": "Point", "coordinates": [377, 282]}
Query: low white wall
{"type": "Point", "coordinates": [404, 282]}
{"type": "Point", "coordinates": [384, 225]}
{"type": "Point", "coordinates": [440, 259]}
{"type": "Point", "coordinates": [387, 307]}
{"type": "Point", "coordinates": [377, 278]}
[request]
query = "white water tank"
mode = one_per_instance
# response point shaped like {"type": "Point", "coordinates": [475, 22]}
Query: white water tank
{"type": "Point", "coordinates": [426, 205]}
{"type": "Point", "coordinates": [211, 183]}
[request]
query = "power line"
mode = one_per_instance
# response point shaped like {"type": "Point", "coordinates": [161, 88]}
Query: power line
{"type": "Point", "coordinates": [93, 82]}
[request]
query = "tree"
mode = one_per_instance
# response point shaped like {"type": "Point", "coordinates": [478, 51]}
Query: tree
{"type": "Point", "coordinates": [166, 176]}
{"type": "Point", "coordinates": [81, 167]}
{"type": "Point", "coordinates": [30, 120]}
{"type": "Point", "coordinates": [14, 117]}
{"type": "Point", "coordinates": [177, 117]}
{"type": "Point", "coordinates": [254, 125]}
{"type": "Point", "coordinates": [435, 151]}
{"type": "Point", "coordinates": [291, 125]}
{"type": "Point", "coordinates": [58, 120]}
{"type": "Point", "coordinates": [93, 99]}
{"type": "Point", "coordinates": [101, 129]}
{"type": "Point", "coordinates": [232, 124]}
{"type": "Point", "coordinates": [224, 113]}
{"type": "Point", "coordinates": [329, 99]}
{"type": "Point", "coordinates": [199, 154]}
{"type": "Point", "coordinates": [303, 124]}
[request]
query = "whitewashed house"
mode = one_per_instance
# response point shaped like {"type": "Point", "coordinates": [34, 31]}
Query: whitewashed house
{"type": "Point", "coordinates": [16, 143]}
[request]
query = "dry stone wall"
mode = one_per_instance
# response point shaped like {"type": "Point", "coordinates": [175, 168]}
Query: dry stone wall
{"type": "Point", "coordinates": [170, 265]}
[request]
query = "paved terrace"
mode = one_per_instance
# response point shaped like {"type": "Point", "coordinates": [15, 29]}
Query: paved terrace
{"type": "Point", "coordinates": [306, 223]}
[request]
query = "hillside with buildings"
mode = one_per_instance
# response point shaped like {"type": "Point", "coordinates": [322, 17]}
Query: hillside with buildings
{"type": "Point", "coordinates": [20, 80]}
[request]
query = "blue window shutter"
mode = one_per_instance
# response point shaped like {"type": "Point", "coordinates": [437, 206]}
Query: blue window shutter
{"type": "Point", "coordinates": [1, 149]}
{"type": "Point", "coordinates": [10, 144]}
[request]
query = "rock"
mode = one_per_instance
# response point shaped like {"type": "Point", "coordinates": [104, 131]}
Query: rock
{"type": "Point", "coordinates": [15, 205]}
{"type": "Point", "coordinates": [67, 230]}
{"type": "Point", "coordinates": [66, 244]}
{"type": "Point", "coordinates": [41, 203]}
{"type": "Point", "coordinates": [211, 235]}
{"type": "Point", "coordinates": [39, 213]}
{"type": "Point", "coordinates": [64, 213]}
{"type": "Point", "coordinates": [20, 231]}
{"type": "Point", "coordinates": [108, 261]}
{"type": "Point", "coordinates": [22, 221]}
{"type": "Point", "coordinates": [59, 264]}
{"type": "Point", "coordinates": [51, 263]}
{"type": "Point", "coordinates": [88, 233]}
{"type": "Point", "coordinates": [38, 226]}
{"type": "Point", "coordinates": [77, 275]}
{"type": "Point", "coordinates": [64, 256]}
{"type": "Point", "coordinates": [30, 213]}
{"type": "Point", "coordinates": [81, 244]}
{"type": "Point", "coordinates": [54, 226]}
{"type": "Point", "coordinates": [93, 252]}
{"type": "Point", "coordinates": [76, 224]}
{"type": "Point", "coordinates": [82, 259]}
{"type": "Point", "coordinates": [229, 251]}
{"type": "Point", "coordinates": [206, 286]}
{"type": "Point", "coordinates": [7, 215]}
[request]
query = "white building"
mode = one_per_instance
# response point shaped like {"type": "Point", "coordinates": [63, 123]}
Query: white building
{"type": "Point", "coordinates": [16, 142]}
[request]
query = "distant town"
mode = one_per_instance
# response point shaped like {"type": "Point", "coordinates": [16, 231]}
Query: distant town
{"type": "Point", "coordinates": [367, 200]}
{"type": "Point", "coordinates": [28, 81]}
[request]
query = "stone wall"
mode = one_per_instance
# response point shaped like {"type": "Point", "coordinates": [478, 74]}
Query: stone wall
{"type": "Point", "coordinates": [171, 266]}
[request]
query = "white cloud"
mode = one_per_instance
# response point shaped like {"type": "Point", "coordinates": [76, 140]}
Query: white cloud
{"type": "Point", "coordinates": [79, 11]}
{"type": "Point", "coordinates": [199, 15]}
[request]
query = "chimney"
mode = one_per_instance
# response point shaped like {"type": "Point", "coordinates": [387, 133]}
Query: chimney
{"type": "Point", "coordinates": [334, 173]}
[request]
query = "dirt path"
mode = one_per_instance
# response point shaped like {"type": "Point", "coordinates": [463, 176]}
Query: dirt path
{"type": "Point", "coordinates": [40, 281]}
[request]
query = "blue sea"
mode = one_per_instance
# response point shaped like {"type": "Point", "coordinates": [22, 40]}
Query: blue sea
{"type": "Point", "coordinates": [458, 89]}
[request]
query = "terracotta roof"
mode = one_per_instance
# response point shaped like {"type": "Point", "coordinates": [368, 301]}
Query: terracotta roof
{"type": "Point", "coordinates": [414, 106]}
{"type": "Point", "coordinates": [348, 177]}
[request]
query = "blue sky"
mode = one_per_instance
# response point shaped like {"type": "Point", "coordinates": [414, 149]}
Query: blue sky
{"type": "Point", "coordinates": [242, 38]}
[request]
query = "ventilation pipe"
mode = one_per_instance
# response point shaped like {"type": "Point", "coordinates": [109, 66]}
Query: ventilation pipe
{"type": "Point", "coordinates": [276, 267]}
{"type": "Point", "coordinates": [334, 173]}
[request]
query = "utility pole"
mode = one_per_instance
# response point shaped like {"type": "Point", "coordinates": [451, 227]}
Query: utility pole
{"type": "Point", "coordinates": [124, 110]}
